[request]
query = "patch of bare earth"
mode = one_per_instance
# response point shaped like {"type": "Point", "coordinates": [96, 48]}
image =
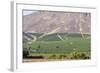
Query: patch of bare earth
{"type": "Point", "coordinates": [42, 60]}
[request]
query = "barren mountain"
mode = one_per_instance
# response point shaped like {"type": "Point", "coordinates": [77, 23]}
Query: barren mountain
{"type": "Point", "coordinates": [51, 21]}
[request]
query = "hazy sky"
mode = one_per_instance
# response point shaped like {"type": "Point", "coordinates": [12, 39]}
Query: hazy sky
{"type": "Point", "coordinates": [28, 12]}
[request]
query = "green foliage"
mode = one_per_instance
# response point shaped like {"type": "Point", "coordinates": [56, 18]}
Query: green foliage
{"type": "Point", "coordinates": [61, 46]}
{"type": "Point", "coordinates": [39, 46]}
{"type": "Point", "coordinates": [25, 53]}
{"type": "Point", "coordinates": [52, 57]}
{"type": "Point", "coordinates": [62, 56]}
{"type": "Point", "coordinates": [79, 55]}
{"type": "Point", "coordinates": [51, 47]}
{"type": "Point", "coordinates": [57, 56]}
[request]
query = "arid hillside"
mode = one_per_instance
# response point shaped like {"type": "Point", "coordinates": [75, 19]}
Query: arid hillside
{"type": "Point", "coordinates": [63, 22]}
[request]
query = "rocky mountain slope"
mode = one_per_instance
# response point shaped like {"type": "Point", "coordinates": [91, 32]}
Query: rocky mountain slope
{"type": "Point", "coordinates": [62, 22]}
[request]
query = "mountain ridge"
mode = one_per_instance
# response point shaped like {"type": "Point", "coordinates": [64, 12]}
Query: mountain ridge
{"type": "Point", "coordinates": [65, 22]}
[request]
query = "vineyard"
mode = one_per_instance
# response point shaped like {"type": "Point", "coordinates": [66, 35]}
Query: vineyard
{"type": "Point", "coordinates": [57, 46]}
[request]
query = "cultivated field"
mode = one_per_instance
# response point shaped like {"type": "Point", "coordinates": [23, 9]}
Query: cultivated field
{"type": "Point", "coordinates": [57, 46]}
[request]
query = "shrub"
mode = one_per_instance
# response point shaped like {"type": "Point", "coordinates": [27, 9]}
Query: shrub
{"type": "Point", "coordinates": [25, 53]}
{"type": "Point", "coordinates": [39, 46]}
{"type": "Point", "coordinates": [62, 56]}
{"type": "Point", "coordinates": [52, 57]}
{"type": "Point", "coordinates": [84, 56]}
{"type": "Point", "coordinates": [78, 55]}
{"type": "Point", "coordinates": [57, 46]}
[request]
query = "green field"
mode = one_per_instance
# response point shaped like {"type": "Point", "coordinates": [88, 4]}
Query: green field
{"type": "Point", "coordinates": [73, 46]}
